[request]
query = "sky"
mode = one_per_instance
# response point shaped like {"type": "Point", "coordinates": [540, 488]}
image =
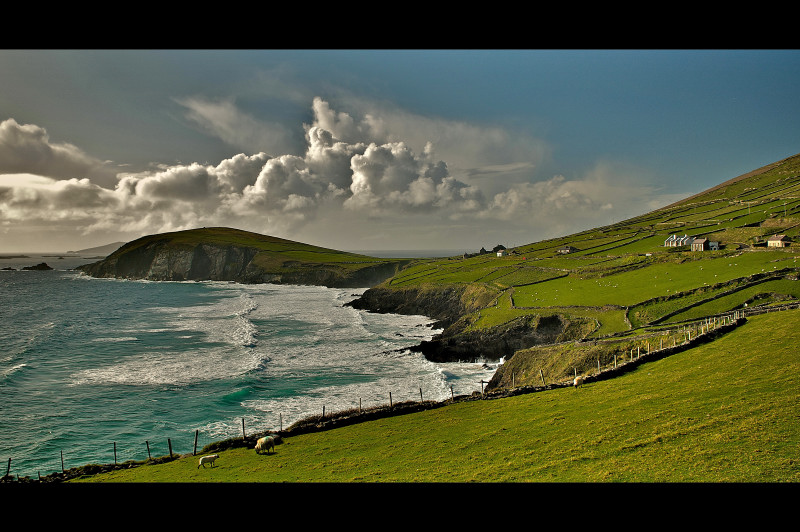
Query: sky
{"type": "Point", "coordinates": [445, 149]}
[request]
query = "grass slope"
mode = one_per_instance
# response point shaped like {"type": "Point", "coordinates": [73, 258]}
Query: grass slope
{"type": "Point", "coordinates": [623, 277]}
{"type": "Point", "coordinates": [720, 412]}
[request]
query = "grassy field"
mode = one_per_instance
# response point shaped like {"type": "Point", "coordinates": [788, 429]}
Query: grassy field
{"type": "Point", "coordinates": [627, 266]}
{"type": "Point", "coordinates": [722, 412]}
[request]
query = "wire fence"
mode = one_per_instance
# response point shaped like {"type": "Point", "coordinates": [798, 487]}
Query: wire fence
{"type": "Point", "coordinates": [665, 340]}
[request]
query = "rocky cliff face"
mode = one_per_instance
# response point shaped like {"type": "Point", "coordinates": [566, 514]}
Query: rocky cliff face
{"type": "Point", "coordinates": [500, 342]}
{"type": "Point", "coordinates": [159, 261]}
{"type": "Point", "coordinates": [447, 304]}
{"type": "Point", "coordinates": [451, 305]}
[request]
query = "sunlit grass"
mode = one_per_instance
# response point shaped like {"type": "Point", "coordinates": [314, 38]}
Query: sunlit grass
{"type": "Point", "coordinates": [721, 412]}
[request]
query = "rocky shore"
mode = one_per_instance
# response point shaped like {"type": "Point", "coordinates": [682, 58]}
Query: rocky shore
{"type": "Point", "coordinates": [450, 306]}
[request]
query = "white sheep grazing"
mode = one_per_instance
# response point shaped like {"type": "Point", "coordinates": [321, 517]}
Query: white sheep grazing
{"type": "Point", "coordinates": [578, 381]}
{"type": "Point", "coordinates": [207, 460]}
{"type": "Point", "coordinates": [265, 443]}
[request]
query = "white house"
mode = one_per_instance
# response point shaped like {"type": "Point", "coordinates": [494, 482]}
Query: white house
{"type": "Point", "coordinates": [778, 241]}
{"type": "Point", "coordinates": [675, 241]}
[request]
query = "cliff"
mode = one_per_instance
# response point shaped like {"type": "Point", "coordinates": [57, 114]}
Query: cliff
{"type": "Point", "coordinates": [221, 254]}
{"type": "Point", "coordinates": [453, 306]}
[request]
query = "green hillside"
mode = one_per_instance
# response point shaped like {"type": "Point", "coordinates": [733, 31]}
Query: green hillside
{"type": "Point", "coordinates": [274, 253]}
{"type": "Point", "coordinates": [722, 412]}
{"type": "Point", "coordinates": [623, 277]}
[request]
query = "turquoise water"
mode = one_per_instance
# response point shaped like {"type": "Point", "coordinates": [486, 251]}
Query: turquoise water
{"type": "Point", "coordinates": [89, 363]}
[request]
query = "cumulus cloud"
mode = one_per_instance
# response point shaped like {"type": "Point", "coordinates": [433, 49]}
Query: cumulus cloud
{"type": "Point", "coordinates": [355, 171]}
{"type": "Point", "coordinates": [470, 150]}
{"type": "Point", "coordinates": [27, 148]}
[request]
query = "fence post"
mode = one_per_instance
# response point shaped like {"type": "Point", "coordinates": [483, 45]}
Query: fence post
{"type": "Point", "coordinates": [390, 399]}
{"type": "Point", "coordinates": [541, 374]}
{"type": "Point", "coordinates": [420, 395]}
{"type": "Point", "coordinates": [243, 434]}
{"type": "Point", "coordinates": [148, 448]}
{"type": "Point", "coordinates": [452, 397]}
{"type": "Point", "coordinates": [115, 453]}
{"type": "Point", "coordinates": [62, 461]}
{"type": "Point", "coordinates": [196, 432]}
{"type": "Point", "coordinates": [280, 422]}
{"type": "Point", "coordinates": [8, 469]}
{"type": "Point", "coordinates": [169, 443]}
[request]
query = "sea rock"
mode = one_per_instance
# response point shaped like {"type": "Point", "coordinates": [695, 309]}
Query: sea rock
{"type": "Point", "coordinates": [40, 266]}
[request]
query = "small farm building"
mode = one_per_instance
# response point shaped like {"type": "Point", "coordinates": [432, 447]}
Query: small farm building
{"type": "Point", "coordinates": [778, 241]}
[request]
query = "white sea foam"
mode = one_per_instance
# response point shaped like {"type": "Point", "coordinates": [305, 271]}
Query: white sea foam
{"type": "Point", "coordinates": [168, 368]}
{"type": "Point", "coordinates": [7, 372]}
{"type": "Point", "coordinates": [223, 352]}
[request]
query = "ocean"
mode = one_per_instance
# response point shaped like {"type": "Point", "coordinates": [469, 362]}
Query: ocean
{"type": "Point", "coordinates": [89, 366]}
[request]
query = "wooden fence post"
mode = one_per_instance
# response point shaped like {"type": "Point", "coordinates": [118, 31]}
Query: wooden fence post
{"type": "Point", "coordinates": [8, 469]}
{"type": "Point", "coordinates": [243, 434]}
{"type": "Point", "coordinates": [541, 375]}
{"type": "Point", "coordinates": [148, 448]}
{"type": "Point", "coordinates": [452, 397]}
{"type": "Point", "coordinates": [62, 461]}
{"type": "Point", "coordinates": [169, 443]}
{"type": "Point", "coordinates": [115, 453]}
{"type": "Point", "coordinates": [196, 432]}
{"type": "Point", "coordinates": [390, 399]}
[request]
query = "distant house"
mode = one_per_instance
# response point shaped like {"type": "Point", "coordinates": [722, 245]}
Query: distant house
{"type": "Point", "coordinates": [699, 244]}
{"type": "Point", "coordinates": [675, 241]}
{"type": "Point", "coordinates": [778, 241]}
{"type": "Point", "coordinates": [502, 253]}
{"type": "Point", "coordinates": [498, 247]}
{"type": "Point", "coordinates": [567, 249]}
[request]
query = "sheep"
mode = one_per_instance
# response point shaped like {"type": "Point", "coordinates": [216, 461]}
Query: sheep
{"type": "Point", "coordinates": [207, 460]}
{"type": "Point", "coordinates": [578, 381]}
{"type": "Point", "coordinates": [265, 443]}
